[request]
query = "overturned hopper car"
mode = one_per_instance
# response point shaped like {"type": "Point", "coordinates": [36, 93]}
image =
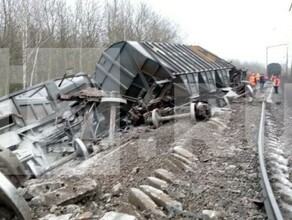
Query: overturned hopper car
{"type": "Point", "coordinates": [147, 71]}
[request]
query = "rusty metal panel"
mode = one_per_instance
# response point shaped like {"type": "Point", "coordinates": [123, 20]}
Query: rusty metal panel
{"type": "Point", "coordinates": [210, 57]}
{"type": "Point", "coordinates": [177, 56]}
{"type": "Point", "coordinates": [186, 59]}
{"type": "Point", "coordinates": [191, 60]}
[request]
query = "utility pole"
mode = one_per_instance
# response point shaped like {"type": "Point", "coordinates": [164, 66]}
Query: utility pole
{"type": "Point", "coordinates": [287, 60]}
{"type": "Point", "coordinates": [287, 49]}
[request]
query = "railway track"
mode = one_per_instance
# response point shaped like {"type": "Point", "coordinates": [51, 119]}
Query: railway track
{"type": "Point", "coordinates": [271, 205]}
{"type": "Point", "coordinates": [273, 161]}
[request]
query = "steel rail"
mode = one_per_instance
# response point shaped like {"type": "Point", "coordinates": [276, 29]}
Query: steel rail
{"type": "Point", "coordinates": [270, 202]}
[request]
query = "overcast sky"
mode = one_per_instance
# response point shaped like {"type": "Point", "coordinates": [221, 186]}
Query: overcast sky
{"type": "Point", "coordinates": [233, 29]}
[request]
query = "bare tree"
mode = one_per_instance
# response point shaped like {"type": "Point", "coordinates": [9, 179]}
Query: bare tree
{"type": "Point", "coordinates": [27, 26]}
{"type": "Point", "coordinates": [255, 67]}
{"type": "Point", "coordinates": [126, 21]}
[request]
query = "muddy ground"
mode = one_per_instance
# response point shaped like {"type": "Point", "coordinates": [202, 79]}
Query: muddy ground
{"type": "Point", "coordinates": [224, 179]}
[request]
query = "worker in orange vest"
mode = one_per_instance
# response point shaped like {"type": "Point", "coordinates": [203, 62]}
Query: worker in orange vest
{"type": "Point", "coordinates": [252, 80]}
{"type": "Point", "coordinates": [276, 83]}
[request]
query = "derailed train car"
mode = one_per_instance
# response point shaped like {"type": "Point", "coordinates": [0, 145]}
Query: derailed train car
{"type": "Point", "coordinates": [34, 122]}
{"type": "Point", "coordinates": [31, 136]}
{"type": "Point", "coordinates": [161, 74]}
{"type": "Point", "coordinates": [43, 126]}
{"type": "Point", "coordinates": [137, 70]}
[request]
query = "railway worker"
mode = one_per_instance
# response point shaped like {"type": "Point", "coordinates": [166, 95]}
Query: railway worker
{"type": "Point", "coordinates": [257, 76]}
{"type": "Point", "coordinates": [262, 82]}
{"type": "Point", "coordinates": [252, 80]}
{"type": "Point", "coordinates": [276, 83]}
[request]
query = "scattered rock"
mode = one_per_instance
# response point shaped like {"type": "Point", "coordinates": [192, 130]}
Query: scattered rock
{"type": "Point", "coordinates": [93, 205]}
{"type": "Point", "coordinates": [235, 191]}
{"type": "Point", "coordinates": [198, 190]}
{"type": "Point", "coordinates": [106, 196]}
{"type": "Point", "coordinates": [216, 114]}
{"type": "Point", "coordinates": [74, 209]}
{"type": "Point", "coordinates": [53, 208]}
{"type": "Point", "coordinates": [179, 194]}
{"type": "Point", "coordinates": [181, 164]}
{"type": "Point", "coordinates": [252, 176]}
{"type": "Point", "coordinates": [222, 125]}
{"type": "Point", "coordinates": [182, 158]}
{"type": "Point", "coordinates": [165, 175]}
{"type": "Point", "coordinates": [109, 200]}
{"type": "Point", "coordinates": [206, 159]}
{"type": "Point", "coordinates": [143, 202]}
{"type": "Point", "coordinates": [85, 216]}
{"type": "Point", "coordinates": [185, 153]}
{"type": "Point", "coordinates": [211, 214]}
{"type": "Point", "coordinates": [117, 216]}
{"type": "Point", "coordinates": [135, 170]}
{"type": "Point", "coordinates": [97, 149]}
{"type": "Point", "coordinates": [67, 194]}
{"type": "Point", "coordinates": [41, 188]}
{"type": "Point", "coordinates": [157, 183]}
{"type": "Point", "coordinates": [54, 217]}
{"type": "Point", "coordinates": [257, 202]}
{"type": "Point", "coordinates": [230, 168]}
{"type": "Point", "coordinates": [117, 189]}
{"type": "Point", "coordinates": [171, 166]}
{"type": "Point", "coordinates": [162, 199]}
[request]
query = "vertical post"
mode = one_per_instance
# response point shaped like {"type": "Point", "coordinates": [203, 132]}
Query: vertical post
{"type": "Point", "coordinates": [113, 100]}
{"type": "Point", "coordinates": [267, 56]}
{"type": "Point", "coordinates": [112, 126]}
{"type": "Point", "coordinates": [291, 69]}
{"type": "Point", "coordinates": [287, 60]}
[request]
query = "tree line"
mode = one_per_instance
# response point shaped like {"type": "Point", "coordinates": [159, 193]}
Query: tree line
{"type": "Point", "coordinates": [252, 67]}
{"type": "Point", "coordinates": [84, 24]}
{"type": "Point", "coordinates": [29, 27]}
